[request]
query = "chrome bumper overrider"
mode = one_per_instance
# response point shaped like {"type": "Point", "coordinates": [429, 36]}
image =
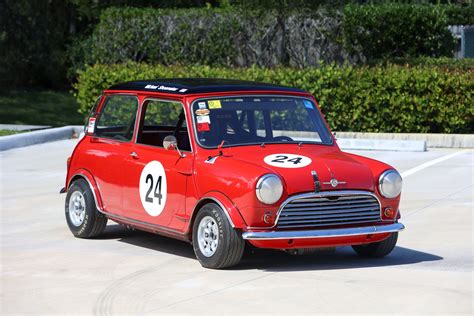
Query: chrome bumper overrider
{"type": "Point", "coordinates": [323, 233]}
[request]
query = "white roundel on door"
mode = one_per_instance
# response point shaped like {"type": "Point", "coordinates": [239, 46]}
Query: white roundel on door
{"type": "Point", "coordinates": [153, 188]}
{"type": "Point", "coordinates": [287, 160]}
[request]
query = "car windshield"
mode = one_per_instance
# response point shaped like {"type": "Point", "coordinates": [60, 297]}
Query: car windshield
{"type": "Point", "coordinates": [252, 120]}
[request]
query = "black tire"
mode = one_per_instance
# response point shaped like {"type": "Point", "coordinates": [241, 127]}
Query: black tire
{"type": "Point", "coordinates": [230, 246]}
{"type": "Point", "coordinates": [377, 249]}
{"type": "Point", "coordinates": [94, 222]}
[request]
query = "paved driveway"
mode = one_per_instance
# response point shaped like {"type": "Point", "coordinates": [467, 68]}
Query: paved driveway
{"type": "Point", "coordinates": [45, 270]}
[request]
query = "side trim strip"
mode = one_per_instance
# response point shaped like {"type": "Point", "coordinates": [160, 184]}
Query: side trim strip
{"type": "Point", "coordinates": [155, 227]}
{"type": "Point", "coordinates": [323, 233]}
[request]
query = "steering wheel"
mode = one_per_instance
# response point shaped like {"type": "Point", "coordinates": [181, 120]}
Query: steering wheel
{"type": "Point", "coordinates": [283, 138]}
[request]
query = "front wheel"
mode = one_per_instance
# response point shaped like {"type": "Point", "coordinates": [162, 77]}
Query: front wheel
{"type": "Point", "coordinates": [216, 244]}
{"type": "Point", "coordinates": [377, 249]}
{"type": "Point", "coordinates": [82, 216]}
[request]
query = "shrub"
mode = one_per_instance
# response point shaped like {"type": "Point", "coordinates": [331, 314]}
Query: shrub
{"type": "Point", "coordinates": [460, 15]}
{"type": "Point", "coordinates": [389, 98]}
{"type": "Point", "coordinates": [297, 37]}
{"type": "Point", "coordinates": [398, 30]}
{"type": "Point", "coordinates": [224, 37]}
{"type": "Point", "coordinates": [466, 64]}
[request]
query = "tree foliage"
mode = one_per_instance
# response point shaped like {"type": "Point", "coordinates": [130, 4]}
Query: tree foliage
{"type": "Point", "coordinates": [398, 30]}
{"type": "Point", "coordinates": [43, 41]}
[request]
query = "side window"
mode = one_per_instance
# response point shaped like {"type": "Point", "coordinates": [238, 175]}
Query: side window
{"type": "Point", "coordinates": [160, 119]}
{"type": "Point", "coordinates": [117, 118]}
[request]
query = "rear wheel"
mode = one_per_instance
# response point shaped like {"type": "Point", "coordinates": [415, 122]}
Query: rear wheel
{"type": "Point", "coordinates": [82, 216]}
{"type": "Point", "coordinates": [216, 244]}
{"type": "Point", "coordinates": [377, 249]}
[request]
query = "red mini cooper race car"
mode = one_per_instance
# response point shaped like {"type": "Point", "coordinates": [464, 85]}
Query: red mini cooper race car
{"type": "Point", "coordinates": [220, 163]}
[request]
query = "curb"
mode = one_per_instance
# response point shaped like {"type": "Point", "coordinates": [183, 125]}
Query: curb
{"type": "Point", "coordinates": [20, 127]}
{"type": "Point", "coordinates": [381, 144]}
{"type": "Point", "coordinates": [432, 140]}
{"type": "Point", "coordinates": [38, 137]}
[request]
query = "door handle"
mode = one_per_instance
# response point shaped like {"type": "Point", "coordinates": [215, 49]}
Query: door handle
{"type": "Point", "coordinates": [134, 155]}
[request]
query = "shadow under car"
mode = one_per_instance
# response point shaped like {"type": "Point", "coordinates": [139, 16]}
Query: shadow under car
{"type": "Point", "coordinates": [273, 260]}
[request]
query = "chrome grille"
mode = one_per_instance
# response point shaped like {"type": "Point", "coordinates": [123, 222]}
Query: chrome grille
{"type": "Point", "coordinates": [329, 209]}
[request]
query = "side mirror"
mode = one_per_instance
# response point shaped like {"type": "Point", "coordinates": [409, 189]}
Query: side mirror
{"type": "Point", "coordinates": [170, 143]}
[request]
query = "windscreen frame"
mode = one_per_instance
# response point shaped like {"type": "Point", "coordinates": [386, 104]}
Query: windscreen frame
{"type": "Point", "coordinates": [321, 118]}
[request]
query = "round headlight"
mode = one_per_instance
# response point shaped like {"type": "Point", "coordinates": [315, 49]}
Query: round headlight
{"type": "Point", "coordinates": [269, 189]}
{"type": "Point", "coordinates": [390, 184]}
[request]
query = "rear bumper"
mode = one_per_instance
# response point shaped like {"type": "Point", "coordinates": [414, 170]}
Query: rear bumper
{"type": "Point", "coordinates": [323, 233]}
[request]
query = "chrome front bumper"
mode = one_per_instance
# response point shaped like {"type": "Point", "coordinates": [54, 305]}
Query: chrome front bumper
{"type": "Point", "coordinates": [323, 233]}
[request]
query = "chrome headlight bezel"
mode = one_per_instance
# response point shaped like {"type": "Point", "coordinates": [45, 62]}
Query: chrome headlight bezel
{"type": "Point", "coordinates": [269, 189]}
{"type": "Point", "coordinates": [390, 184]}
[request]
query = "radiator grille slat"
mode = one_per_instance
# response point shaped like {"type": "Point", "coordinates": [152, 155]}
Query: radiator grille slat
{"type": "Point", "coordinates": [332, 207]}
{"type": "Point", "coordinates": [329, 210]}
{"type": "Point", "coordinates": [348, 222]}
{"type": "Point", "coordinates": [341, 198]}
{"type": "Point", "coordinates": [326, 216]}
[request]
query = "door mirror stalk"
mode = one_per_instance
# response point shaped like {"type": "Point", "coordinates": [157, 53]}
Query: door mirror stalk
{"type": "Point", "coordinates": [170, 143]}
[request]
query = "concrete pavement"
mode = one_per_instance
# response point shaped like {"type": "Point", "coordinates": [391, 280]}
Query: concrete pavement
{"type": "Point", "coordinates": [45, 270]}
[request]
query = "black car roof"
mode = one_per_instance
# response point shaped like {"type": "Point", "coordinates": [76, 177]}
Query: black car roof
{"type": "Point", "coordinates": [184, 86]}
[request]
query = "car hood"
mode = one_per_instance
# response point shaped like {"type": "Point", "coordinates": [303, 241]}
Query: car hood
{"type": "Point", "coordinates": [327, 161]}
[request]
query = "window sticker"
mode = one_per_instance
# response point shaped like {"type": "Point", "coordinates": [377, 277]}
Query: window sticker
{"type": "Point", "coordinates": [202, 112]}
{"type": "Point", "coordinates": [202, 105]}
{"type": "Point", "coordinates": [153, 188]}
{"type": "Point", "coordinates": [203, 119]}
{"type": "Point", "coordinates": [308, 104]}
{"type": "Point", "coordinates": [91, 125]}
{"type": "Point", "coordinates": [287, 161]}
{"type": "Point", "coordinates": [214, 104]}
{"type": "Point", "coordinates": [203, 127]}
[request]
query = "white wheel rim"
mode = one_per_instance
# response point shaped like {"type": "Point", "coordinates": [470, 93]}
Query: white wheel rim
{"type": "Point", "coordinates": [77, 208]}
{"type": "Point", "coordinates": [208, 236]}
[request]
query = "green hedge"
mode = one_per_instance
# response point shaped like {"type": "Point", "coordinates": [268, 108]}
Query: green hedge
{"type": "Point", "coordinates": [460, 14]}
{"type": "Point", "coordinates": [398, 30]}
{"type": "Point", "coordinates": [165, 36]}
{"type": "Point", "coordinates": [297, 37]}
{"type": "Point", "coordinates": [225, 37]}
{"type": "Point", "coordinates": [391, 98]}
{"type": "Point", "coordinates": [466, 64]}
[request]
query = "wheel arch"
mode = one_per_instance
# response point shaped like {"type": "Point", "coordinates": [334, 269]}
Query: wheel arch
{"type": "Point", "coordinates": [85, 175]}
{"type": "Point", "coordinates": [230, 210]}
